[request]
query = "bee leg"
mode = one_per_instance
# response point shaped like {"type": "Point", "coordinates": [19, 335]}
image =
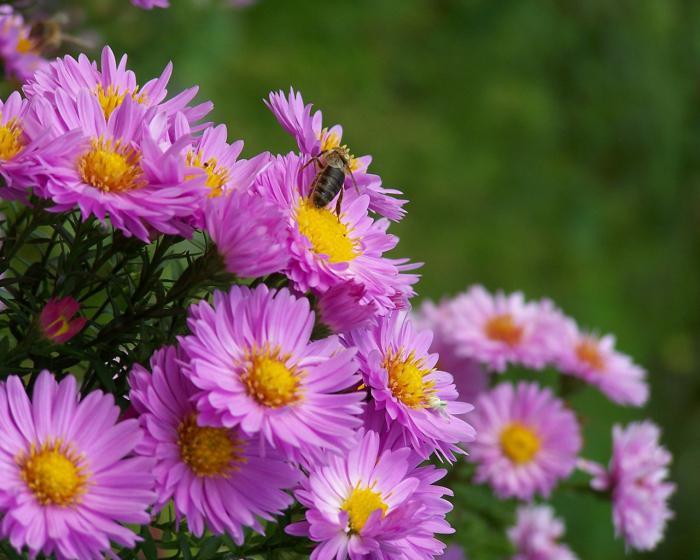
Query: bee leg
{"type": "Point", "coordinates": [339, 202]}
{"type": "Point", "coordinates": [301, 169]}
{"type": "Point", "coordinates": [354, 183]}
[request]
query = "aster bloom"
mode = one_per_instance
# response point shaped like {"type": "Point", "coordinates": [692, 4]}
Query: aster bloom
{"type": "Point", "coordinates": [57, 320]}
{"type": "Point", "coordinates": [536, 534]}
{"type": "Point", "coordinates": [341, 308]}
{"type": "Point", "coordinates": [327, 249]}
{"type": "Point", "coordinates": [68, 483]}
{"type": "Point", "coordinates": [526, 440]}
{"type": "Point", "coordinates": [312, 139]}
{"type": "Point", "coordinates": [249, 232]}
{"type": "Point", "coordinates": [256, 368]}
{"type": "Point", "coordinates": [407, 390]}
{"type": "Point", "coordinates": [595, 360]}
{"type": "Point", "coordinates": [637, 480]}
{"type": "Point", "coordinates": [470, 377]}
{"type": "Point", "coordinates": [19, 53]}
{"type": "Point", "coordinates": [217, 477]}
{"type": "Point", "coordinates": [113, 167]}
{"type": "Point", "coordinates": [501, 329]}
{"type": "Point", "coordinates": [373, 503]}
{"type": "Point", "coordinates": [111, 84]}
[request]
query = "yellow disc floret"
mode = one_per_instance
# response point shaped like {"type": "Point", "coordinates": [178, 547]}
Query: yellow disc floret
{"type": "Point", "coordinates": [11, 140]}
{"type": "Point", "coordinates": [217, 175]}
{"type": "Point", "coordinates": [209, 452]}
{"type": "Point", "coordinates": [520, 443]}
{"type": "Point", "coordinates": [504, 329]}
{"type": "Point", "coordinates": [269, 380]}
{"type": "Point", "coordinates": [361, 503]}
{"type": "Point", "coordinates": [113, 97]}
{"type": "Point", "coordinates": [54, 474]}
{"type": "Point", "coordinates": [407, 379]}
{"type": "Point", "coordinates": [111, 166]}
{"type": "Point", "coordinates": [587, 351]}
{"type": "Point", "coordinates": [326, 233]}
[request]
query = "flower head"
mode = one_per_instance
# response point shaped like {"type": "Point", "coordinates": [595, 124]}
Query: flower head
{"type": "Point", "coordinates": [207, 471]}
{"type": "Point", "coordinates": [373, 503]}
{"type": "Point", "coordinates": [595, 360]}
{"type": "Point", "coordinates": [637, 480]}
{"type": "Point", "coordinates": [526, 440]}
{"type": "Point", "coordinates": [313, 140]}
{"type": "Point", "coordinates": [57, 320]}
{"type": "Point", "coordinates": [407, 392]}
{"type": "Point", "coordinates": [536, 533]}
{"type": "Point", "coordinates": [500, 329]}
{"type": "Point", "coordinates": [328, 248]}
{"type": "Point", "coordinates": [256, 368]}
{"type": "Point", "coordinates": [20, 54]}
{"type": "Point", "coordinates": [68, 483]}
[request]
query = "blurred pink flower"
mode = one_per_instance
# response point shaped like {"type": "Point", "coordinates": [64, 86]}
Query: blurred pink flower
{"type": "Point", "coordinates": [58, 322]}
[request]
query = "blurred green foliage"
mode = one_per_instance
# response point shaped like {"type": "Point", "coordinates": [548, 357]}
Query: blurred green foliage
{"type": "Point", "coordinates": [549, 146]}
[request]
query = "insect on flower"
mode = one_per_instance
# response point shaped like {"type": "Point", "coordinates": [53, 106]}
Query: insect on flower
{"type": "Point", "coordinates": [334, 166]}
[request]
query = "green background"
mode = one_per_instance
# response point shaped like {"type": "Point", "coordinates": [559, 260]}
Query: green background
{"type": "Point", "coordinates": [547, 146]}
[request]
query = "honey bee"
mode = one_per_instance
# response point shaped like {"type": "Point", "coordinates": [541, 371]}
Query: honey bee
{"type": "Point", "coordinates": [46, 35]}
{"type": "Point", "coordinates": [334, 167]}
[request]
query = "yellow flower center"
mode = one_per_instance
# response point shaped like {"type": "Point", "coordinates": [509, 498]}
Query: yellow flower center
{"type": "Point", "coordinates": [208, 451]}
{"type": "Point", "coordinates": [360, 505]}
{"type": "Point", "coordinates": [217, 175]}
{"type": "Point", "coordinates": [407, 379]}
{"type": "Point", "coordinates": [330, 141]}
{"type": "Point", "coordinates": [519, 443]}
{"type": "Point", "coordinates": [269, 380]}
{"type": "Point", "coordinates": [53, 473]}
{"type": "Point", "coordinates": [25, 45]}
{"type": "Point", "coordinates": [326, 233]}
{"type": "Point", "coordinates": [587, 352]}
{"type": "Point", "coordinates": [503, 329]}
{"type": "Point", "coordinates": [111, 167]}
{"type": "Point", "coordinates": [11, 140]}
{"type": "Point", "coordinates": [112, 98]}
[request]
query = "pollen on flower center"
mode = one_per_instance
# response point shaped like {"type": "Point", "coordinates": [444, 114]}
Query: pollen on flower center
{"type": "Point", "coordinates": [208, 451]}
{"type": "Point", "coordinates": [504, 329]}
{"type": "Point", "coordinates": [406, 380]}
{"type": "Point", "coordinates": [25, 45]}
{"type": "Point", "coordinates": [587, 351]}
{"type": "Point", "coordinates": [519, 443]}
{"type": "Point", "coordinates": [269, 380]}
{"type": "Point", "coordinates": [112, 98]}
{"type": "Point", "coordinates": [217, 175]}
{"type": "Point", "coordinates": [11, 140]}
{"type": "Point", "coordinates": [53, 474]}
{"type": "Point", "coordinates": [111, 166]}
{"type": "Point", "coordinates": [361, 503]}
{"type": "Point", "coordinates": [326, 233]}
{"type": "Point", "coordinates": [330, 141]}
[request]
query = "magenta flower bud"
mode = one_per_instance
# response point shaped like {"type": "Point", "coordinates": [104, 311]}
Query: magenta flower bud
{"type": "Point", "coordinates": [57, 320]}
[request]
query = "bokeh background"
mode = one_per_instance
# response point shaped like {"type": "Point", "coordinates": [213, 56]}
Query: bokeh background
{"type": "Point", "coordinates": [546, 146]}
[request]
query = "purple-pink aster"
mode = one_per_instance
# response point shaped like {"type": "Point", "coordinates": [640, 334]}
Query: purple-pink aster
{"type": "Point", "coordinates": [216, 477]}
{"type": "Point", "coordinates": [256, 368]}
{"type": "Point", "coordinates": [637, 480]}
{"type": "Point", "coordinates": [373, 503]}
{"type": "Point", "coordinates": [536, 535]}
{"type": "Point", "coordinates": [408, 393]}
{"type": "Point", "coordinates": [526, 440]}
{"type": "Point", "coordinates": [57, 320]}
{"type": "Point", "coordinates": [313, 140]}
{"type": "Point", "coordinates": [69, 481]}
{"type": "Point", "coordinates": [327, 249]}
{"type": "Point", "coordinates": [19, 53]}
{"type": "Point", "coordinates": [595, 360]}
{"type": "Point", "coordinates": [500, 329]}
{"type": "Point", "coordinates": [344, 307]}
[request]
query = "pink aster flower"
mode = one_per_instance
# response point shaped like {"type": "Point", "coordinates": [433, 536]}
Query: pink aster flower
{"type": "Point", "coordinates": [113, 167]}
{"type": "Point", "coordinates": [373, 503]}
{"type": "Point", "coordinates": [470, 377]}
{"type": "Point", "coordinates": [68, 481]}
{"type": "Point", "coordinates": [500, 329]}
{"type": "Point", "coordinates": [327, 249]}
{"type": "Point", "coordinates": [637, 480]}
{"type": "Point", "coordinates": [313, 140]}
{"type": "Point", "coordinates": [250, 233]}
{"type": "Point", "coordinates": [111, 84]}
{"type": "Point", "coordinates": [536, 534]}
{"type": "Point", "coordinates": [216, 476]}
{"type": "Point", "coordinates": [256, 368]}
{"type": "Point", "coordinates": [526, 440]}
{"type": "Point", "coordinates": [342, 308]}
{"type": "Point", "coordinates": [150, 4]}
{"type": "Point", "coordinates": [595, 360]}
{"type": "Point", "coordinates": [19, 53]}
{"type": "Point", "coordinates": [408, 392]}
{"type": "Point", "coordinates": [57, 320]}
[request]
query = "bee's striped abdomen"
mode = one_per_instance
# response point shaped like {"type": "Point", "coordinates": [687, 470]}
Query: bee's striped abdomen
{"type": "Point", "coordinates": [327, 185]}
